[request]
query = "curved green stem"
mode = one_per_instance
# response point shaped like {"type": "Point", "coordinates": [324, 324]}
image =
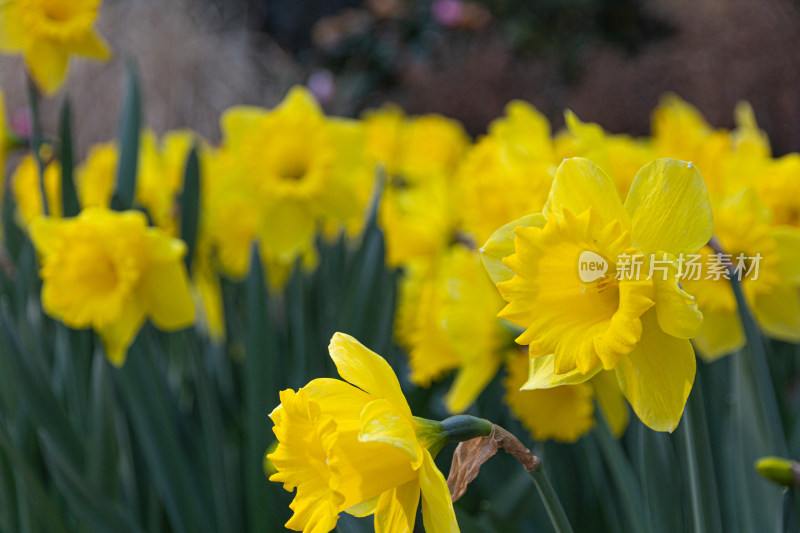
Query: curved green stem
{"type": "Point", "coordinates": [551, 502]}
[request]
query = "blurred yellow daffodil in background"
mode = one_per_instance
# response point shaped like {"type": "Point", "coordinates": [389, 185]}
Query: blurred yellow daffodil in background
{"type": "Point", "coordinates": [107, 270]}
{"type": "Point", "coordinates": [47, 33]}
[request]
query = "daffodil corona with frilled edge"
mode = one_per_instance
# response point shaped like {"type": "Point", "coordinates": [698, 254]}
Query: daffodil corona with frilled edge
{"type": "Point", "coordinates": [637, 326]}
{"type": "Point", "coordinates": [354, 446]}
{"type": "Point", "coordinates": [47, 33]}
{"type": "Point", "coordinates": [107, 270]}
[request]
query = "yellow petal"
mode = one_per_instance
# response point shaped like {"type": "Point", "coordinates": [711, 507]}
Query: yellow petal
{"type": "Point", "coordinates": [720, 334]}
{"type": "Point", "coordinates": [437, 508]}
{"type": "Point", "coordinates": [563, 413]}
{"type": "Point", "coordinates": [365, 508]}
{"type": "Point", "coordinates": [238, 121]}
{"type": "Point", "coordinates": [397, 509]}
{"type": "Point", "coordinates": [501, 244]}
{"type": "Point", "coordinates": [678, 314]}
{"type": "Point", "coordinates": [118, 337]}
{"type": "Point", "coordinates": [611, 401]}
{"type": "Point", "coordinates": [542, 374]}
{"type": "Point", "coordinates": [580, 184]}
{"type": "Point", "coordinates": [657, 376]}
{"type": "Point", "coordinates": [669, 208]}
{"type": "Point", "coordinates": [45, 233]}
{"type": "Point", "coordinates": [13, 37]}
{"type": "Point", "coordinates": [165, 289]}
{"type": "Point", "coordinates": [381, 422]}
{"type": "Point", "coordinates": [787, 240]}
{"type": "Point", "coordinates": [778, 312]}
{"type": "Point", "coordinates": [47, 63]}
{"type": "Point", "coordinates": [287, 228]}
{"type": "Point", "coordinates": [366, 370]}
{"type": "Point", "coordinates": [91, 45]}
{"type": "Point", "coordinates": [470, 381]}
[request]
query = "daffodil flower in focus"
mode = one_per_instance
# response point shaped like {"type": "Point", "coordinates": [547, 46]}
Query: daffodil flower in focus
{"type": "Point", "coordinates": [354, 446]}
{"type": "Point", "coordinates": [47, 33]}
{"type": "Point", "coordinates": [636, 326]}
{"type": "Point", "coordinates": [109, 271]}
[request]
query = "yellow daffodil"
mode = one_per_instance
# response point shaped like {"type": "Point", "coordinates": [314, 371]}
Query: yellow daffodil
{"type": "Point", "coordinates": [634, 324]}
{"type": "Point", "coordinates": [109, 271]}
{"type": "Point", "coordinates": [27, 188]}
{"type": "Point", "coordinates": [620, 156]}
{"type": "Point", "coordinates": [95, 176]}
{"type": "Point", "coordinates": [288, 171]}
{"type": "Point", "coordinates": [766, 258]}
{"type": "Point", "coordinates": [680, 131]}
{"type": "Point", "coordinates": [508, 173]}
{"type": "Point", "coordinates": [160, 176]}
{"type": "Point", "coordinates": [420, 156]}
{"type": "Point", "coordinates": [447, 320]}
{"type": "Point", "coordinates": [47, 33]}
{"type": "Point", "coordinates": [354, 446]}
{"type": "Point", "coordinates": [564, 413]}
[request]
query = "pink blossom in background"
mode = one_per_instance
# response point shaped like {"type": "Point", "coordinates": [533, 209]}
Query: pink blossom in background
{"type": "Point", "coordinates": [322, 85]}
{"type": "Point", "coordinates": [447, 13]}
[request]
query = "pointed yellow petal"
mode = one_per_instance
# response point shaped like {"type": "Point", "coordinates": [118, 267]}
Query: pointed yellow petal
{"type": "Point", "coordinates": [381, 422]}
{"type": "Point", "coordinates": [366, 370]}
{"type": "Point", "coordinates": [91, 45]}
{"type": "Point", "coordinates": [778, 312]}
{"type": "Point", "coordinates": [365, 508]}
{"type": "Point", "coordinates": [118, 337]}
{"type": "Point", "coordinates": [501, 244]}
{"type": "Point", "coordinates": [669, 208]}
{"type": "Point", "coordinates": [437, 508]}
{"type": "Point", "coordinates": [470, 381]}
{"type": "Point", "coordinates": [720, 334]}
{"type": "Point", "coordinates": [657, 376]}
{"type": "Point", "coordinates": [47, 63]}
{"type": "Point", "coordinates": [611, 401]}
{"type": "Point", "coordinates": [580, 184]}
{"type": "Point", "coordinates": [397, 509]}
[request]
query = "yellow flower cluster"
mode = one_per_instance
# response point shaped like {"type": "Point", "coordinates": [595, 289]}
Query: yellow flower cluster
{"type": "Point", "coordinates": [283, 176]}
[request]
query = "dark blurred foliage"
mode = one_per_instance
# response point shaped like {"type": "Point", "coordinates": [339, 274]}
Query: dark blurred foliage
{"type": "Point", "coordinates": [379, 44]}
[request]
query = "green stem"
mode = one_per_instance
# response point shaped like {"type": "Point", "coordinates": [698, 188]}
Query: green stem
{"type": "Point", "coordinates": [551, 502]}
{"type": "Point", "coordinates": [760, 371]}
{"type": "Point", "coordinates": [696, 445]}
{"type": "Point", "coordinates": [36, 141]}
{"type": "Point", "coordinates": [623, 474]}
